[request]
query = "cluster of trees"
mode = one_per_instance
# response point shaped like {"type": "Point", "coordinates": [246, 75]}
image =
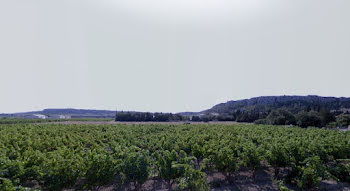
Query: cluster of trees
{"type": "Point", "coordinates": [237, 115]}
{"type": "Point", "coordinates": [147, 116]}
{"type": "Point", "coordinates": [342, 120]}
{"type": "Point", "coordinates": [281, 110]}
{"type": "Point", "coordinates": [324, 118]}
{"type": "Point", "coordinates": [306, 118]}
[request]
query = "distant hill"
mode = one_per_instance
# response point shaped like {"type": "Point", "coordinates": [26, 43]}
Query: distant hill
{"type": "Point", "coordinates": [78, 112]}
{"type": "Point", "coordinates": [294, 108]}
{"type": "Point", "coordinates": [294, 104]}
{"type": "Point", "coordinates": [246, 110]}
{"type": "Point", "coordinates": [71, 113]}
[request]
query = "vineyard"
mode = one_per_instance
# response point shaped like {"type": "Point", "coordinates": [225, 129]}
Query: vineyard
{"type": "Point", "coordinates": [92, 157]}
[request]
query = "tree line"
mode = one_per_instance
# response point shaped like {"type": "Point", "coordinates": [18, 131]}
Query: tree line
{"type": "Point", "coordinates": [307, 118]}
{"type": "Point", "coordinates": [147, 116]}
{"type": "Point", "coordinates": [323, 118]}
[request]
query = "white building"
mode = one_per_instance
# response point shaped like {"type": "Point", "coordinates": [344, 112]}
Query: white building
{"type": "Point", "coordinates": [39, 116]}
{"type": "Point", "coordinates": [59, 117]}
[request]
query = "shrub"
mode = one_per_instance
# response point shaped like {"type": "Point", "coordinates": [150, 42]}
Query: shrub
{"type": "Point", "coordinates": [101, 170]}
{"type": "Point", "coordinates": [6, 184]}
{"type": "Point", "coordinates": [193, 180]}
{"type": "Point", "coordinates": [60, 173]}
{"type": "Point", "coordinates": [166, 170]}
{"type": "Point", "coordinates": [278, 157]}
{"type": "Point", "coordinates": [311, 172]}
{"type": "Point", "coordinates": [136, 168]}
{"type": "Point", "coordinates": [341, 171]}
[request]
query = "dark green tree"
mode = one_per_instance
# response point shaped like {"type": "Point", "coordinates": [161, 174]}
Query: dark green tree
{"type": "Point", "coordinates": [281, 117]}
{"type": "Point", "coordinates": [309, 119]}
{"type": "Point", "coordinates": [326, 116]}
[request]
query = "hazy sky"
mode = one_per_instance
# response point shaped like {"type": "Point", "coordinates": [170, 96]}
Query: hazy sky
{"type": "Point", "coordinates": [169, 55]}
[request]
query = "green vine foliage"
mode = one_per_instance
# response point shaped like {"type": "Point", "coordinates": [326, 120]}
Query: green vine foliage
{"type": "Point", "coordinates": [102, 169]}
{"type": "Point", "coordinates": [58, 156]}
{"type": "Point", "coordinates": [193, 179]}
{"type": "Point", "coordinates": [136, 168]}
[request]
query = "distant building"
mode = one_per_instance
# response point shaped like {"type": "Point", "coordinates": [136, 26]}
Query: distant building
{"type": "Point", "coordinates": [59, 117]}
{"type": "Point", "coordinates": [39, 116]}
{"type": "Point", "coordinates": [65, 117]}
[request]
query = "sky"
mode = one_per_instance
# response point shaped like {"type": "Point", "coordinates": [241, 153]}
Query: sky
{"type": "Point", "coordinates": [169, 55]}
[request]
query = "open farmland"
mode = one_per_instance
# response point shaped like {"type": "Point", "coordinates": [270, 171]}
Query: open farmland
{"type": "Point", "coordinates": [178, 156]}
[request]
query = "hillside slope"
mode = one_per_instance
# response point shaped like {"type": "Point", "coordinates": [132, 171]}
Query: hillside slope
{"type": "Point", "coordinates": [293, 104]}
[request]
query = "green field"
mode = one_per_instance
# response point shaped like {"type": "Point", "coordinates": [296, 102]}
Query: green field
{"type": "Point", "coordinates": [57, 156]}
